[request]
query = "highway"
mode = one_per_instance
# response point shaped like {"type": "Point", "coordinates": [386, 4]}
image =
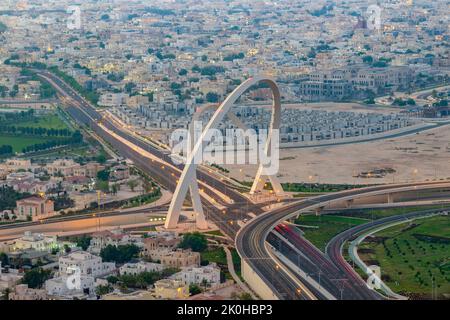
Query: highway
{"type": "Point", "coordinates": [339, 283]}
{"type": "Point", "coordinates": [251, 239]}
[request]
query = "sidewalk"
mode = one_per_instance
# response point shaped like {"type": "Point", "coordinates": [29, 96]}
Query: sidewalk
{"type": "Point", "coordinates": [236, 278]}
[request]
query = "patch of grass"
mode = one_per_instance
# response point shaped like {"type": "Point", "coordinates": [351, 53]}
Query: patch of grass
{"type": "Point", "coordinates": [73, 152]}
{"type": "Point", "coordinates": [236, 262]}
{"type": "Point", "coordinates": [18, 143]}
{"type": "Point", "coordinates": [216, 255]}
{"type": "Point", "coordinates": [214, 233]}
{"type": "Point", "coordinates": [49, 121]}
{"type": "Point", "coordinates": [409, 263]}
{"type": "Point", "coordinates": [325, 227]}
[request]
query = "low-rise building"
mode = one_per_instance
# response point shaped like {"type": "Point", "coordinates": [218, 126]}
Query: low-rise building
{"type": "Point", "coordinates": [38, 242]}
{"type": "Point", "coordinates": [22, 292]}
{"type": "Point", "coordinates": [209, 275]}
{"type": "Point", "coordinates": [77, 276]}
{"type": "Point", "coordinates": [34, 207]}
{"type": "Point", "coordinates": [69, 287]}
{"type": "Point", "coordinates": [9, 278]}
{"type": "Point", "coordinates": [137, 268]}
{"type": "Point", "coordinates": [113, 237]}
{"type": "Point", "coordinates": [160, 241]}
{"type": "Point", "coordinates": [87, 263]}
{"type": "Point", "coordinates": [175, 259]}
{"type": "Point", "coordinates": [70, 168]}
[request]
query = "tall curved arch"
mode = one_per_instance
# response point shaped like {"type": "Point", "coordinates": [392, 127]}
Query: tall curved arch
{"type": "Point", "coordinates": [188, 179]}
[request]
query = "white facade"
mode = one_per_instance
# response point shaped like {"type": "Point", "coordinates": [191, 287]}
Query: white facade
{"type": "Point", "coordinates": [198, 275]}
{"type": "Point", "coordinates": [62, 287]}
{"type": "Point", "coordinates": [89, 264]}
{"type": "Point", "coordinates": [137, 268]}
{"type": "Point", "coordinates": [35, 241]}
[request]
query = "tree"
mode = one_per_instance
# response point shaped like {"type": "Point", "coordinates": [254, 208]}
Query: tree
{"type": "Point", "coordinates": [195, 241]}
{"type": "Point", "coordinates": [67, 249]}
{"type": "Point", "coordinates": [4, 260]}
{"type": "Point", "coordinates": [83, 242]}
{"type": "Point", "coordinates": [212, 97]}
{"type": "Point", "coordinates": [101, 158]}
{"type": "Point", "coordinates": [132, 184]}
{"type": "Point", "coordinates": [194, 289]}
{"type": "Point", "coordinates": [103, 175]}
{"type": "Point", "coordinates": [103, 289]}
{"type": "Point", "coordinates": [35, 278]}
{"type": "Point", "coordinates": [102, 186]}
{"type": "Point", "coordinates": [115, 188]}
{"type": "Point", "coordinates": [245, 296]}
{"type": "Point", "coordinates": [105, 17]}
{"type": "Point", "coordinates": [368, 59]}
{"type": "Point", "coordinates": [6, 293]}
{"type": "Point", "coordinates": [129, 87]}
{"type": "Point", "coordinates": [119, 254]}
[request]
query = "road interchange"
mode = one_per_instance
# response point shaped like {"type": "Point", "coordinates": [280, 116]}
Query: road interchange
{"type": "Point", "coordinates": [251, 240]}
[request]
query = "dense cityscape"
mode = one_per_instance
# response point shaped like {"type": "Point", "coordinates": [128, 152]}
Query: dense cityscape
{"type": "Point", "coordinates": [348, 100]}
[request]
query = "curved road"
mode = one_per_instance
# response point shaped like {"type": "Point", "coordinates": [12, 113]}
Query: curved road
{"type": "Point", "coordinates": [334, 247]}
{"type": "Point", "coordinates": [251, 239]}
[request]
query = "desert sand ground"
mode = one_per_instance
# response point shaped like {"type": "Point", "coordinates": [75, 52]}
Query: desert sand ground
{"type": "Point", "coordinates": [414, 157]}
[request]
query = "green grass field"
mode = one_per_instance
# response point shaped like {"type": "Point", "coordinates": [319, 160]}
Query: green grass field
{"type": "Point", "coordinates": [18, 143]}
{"type": "Point", "coordinates": [321, 229]}
{"type": "Point", "coordinates": [410, 255]}
{"type": "Point", "coordinates": [49, 121]}
{"type": "Point", "coordinates": [216, 255]}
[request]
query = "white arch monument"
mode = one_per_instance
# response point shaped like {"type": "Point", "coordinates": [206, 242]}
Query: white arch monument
{"type": "Point", "coordinates": [188, 179]}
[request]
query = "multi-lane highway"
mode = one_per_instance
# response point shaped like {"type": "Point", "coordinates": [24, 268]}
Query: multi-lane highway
{"type": "Point", "coordinates": [251, 239]}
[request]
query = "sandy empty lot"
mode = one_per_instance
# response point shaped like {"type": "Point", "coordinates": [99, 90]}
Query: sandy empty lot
{"type": "Point", "coordinates": [414, 157]}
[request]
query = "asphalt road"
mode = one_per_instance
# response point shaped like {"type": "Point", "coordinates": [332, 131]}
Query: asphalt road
{"type": "Point", "coordinates": [250, 240]}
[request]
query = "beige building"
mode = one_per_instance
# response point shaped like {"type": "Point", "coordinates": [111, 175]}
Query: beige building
{"type": "Point", "coordinates": [166, 241]}
{"type": "Point", "coordinates": [22, 292]}
{"type": "Point", "coordinates": [12, 165]}
{"type": "Point", "coordinates": [171, 289]}
{"type": "Point", "coordinates": [179, 258]}
{"type": "Point", "coordinates": [34, 207]}
{"type": "Point", "coordinates": [71, 168]}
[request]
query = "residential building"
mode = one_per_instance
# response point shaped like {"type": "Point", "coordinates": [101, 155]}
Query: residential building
{"type": "Point", "coordinates": [139, 267]}
{"type": "Point", "coordinates": [209, 274]}
{"type": "Point", "coordinates": [160, 241]}
{"type": "Point", "coordinates": [113, 237]}
{"type": "Point", "coordinates": [175, 259]}
{"type": "Point", "coordinates": [88, 264]}
{"type": "Point", "coordinates": [22, 292]}
{"type": "Point", "coordinates": [38, 242]}
{"type": "Point", "coordinates": [35, 208]}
